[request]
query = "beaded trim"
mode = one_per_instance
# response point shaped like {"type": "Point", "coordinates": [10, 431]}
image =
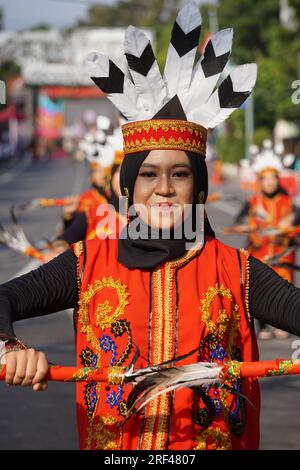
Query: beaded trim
{"type": "Point", "coordinates": [78, 250]}
{"type": "Point", "coordinates": [247, 285]}
{"type": "Point", "coordinates": [158, 411]}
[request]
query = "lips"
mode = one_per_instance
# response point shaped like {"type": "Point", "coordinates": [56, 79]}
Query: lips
{"type": "Point", "coordinates": [164, 206]}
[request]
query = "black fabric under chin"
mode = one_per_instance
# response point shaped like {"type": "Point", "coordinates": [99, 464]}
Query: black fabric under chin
{"type": "Point", "coordinates": [100, 189]}
{"type": "Point", "coordinates": [279, 190]}
{"type": "Point", "coordinates": [148, 253]}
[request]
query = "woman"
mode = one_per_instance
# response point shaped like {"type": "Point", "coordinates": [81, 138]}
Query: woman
{"type": "Point", "coordinates": [271, 208]}
{"type": "Point", "coordinates": [147, 298]}
{"type": "Point", "coordinates": [98, 151]}
{"type": "Point", "coordinates": [84, 227]}
{"type": "Point", "coordinates": [79, 214]}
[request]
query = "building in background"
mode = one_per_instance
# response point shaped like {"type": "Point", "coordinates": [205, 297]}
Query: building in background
{"type": "Point", "coordinates": [60, 99]}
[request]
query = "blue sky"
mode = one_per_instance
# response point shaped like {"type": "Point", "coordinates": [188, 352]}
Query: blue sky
{"type": "Point", "coordinates": [20, 14]}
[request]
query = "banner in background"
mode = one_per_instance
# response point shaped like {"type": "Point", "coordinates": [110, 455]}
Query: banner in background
{"type": "Point", "coordinates": [50, 117]}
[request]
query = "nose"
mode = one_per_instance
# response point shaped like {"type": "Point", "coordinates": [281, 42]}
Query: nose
{"type": "Point", "coordinates": [164, 186]}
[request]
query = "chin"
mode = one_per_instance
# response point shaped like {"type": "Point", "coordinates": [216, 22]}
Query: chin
{"type": "Point", "coordinates": [165, 225]}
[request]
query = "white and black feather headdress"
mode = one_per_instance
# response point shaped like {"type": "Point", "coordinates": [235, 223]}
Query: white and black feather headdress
{"type": "Point", "coordinates": [141, 92]}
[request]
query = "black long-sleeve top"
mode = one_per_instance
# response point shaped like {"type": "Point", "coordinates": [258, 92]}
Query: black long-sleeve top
{"type": "Point", "coordinates": [76, 230]}
{"type": "Point", "coordinates": [243, 213]}
{"type": "Point", "coordinates": [53, 287]}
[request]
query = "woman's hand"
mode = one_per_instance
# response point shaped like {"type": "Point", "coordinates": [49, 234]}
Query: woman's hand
{"type": "Point", "coordinates": [70, 207]}
{"type": "Point", "coordinates": [27, 368]}
{"type": "Point", "coordinates": [57, 248]}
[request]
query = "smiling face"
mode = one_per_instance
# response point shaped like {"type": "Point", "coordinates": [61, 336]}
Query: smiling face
{"type": "Point", "coordinates": [269, 181]}
{"type": "Point", "coordinates": [164, 185]}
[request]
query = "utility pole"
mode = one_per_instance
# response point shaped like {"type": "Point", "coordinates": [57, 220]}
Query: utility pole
{"type": "Point", "coordinates": [249, 124]}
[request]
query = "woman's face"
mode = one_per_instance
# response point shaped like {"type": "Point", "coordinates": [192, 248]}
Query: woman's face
{"type": "Point", "coordinates": [164, 185]}
{"type": "Point", "coordinates": [269, 182]}
{"type": "Point", "coordinates": [98, 177]}
{"type": "Point", "coordinates": [115, 182]}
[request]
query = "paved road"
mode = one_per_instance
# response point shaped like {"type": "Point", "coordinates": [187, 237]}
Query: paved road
{"type": "Point", "coordinates": [47, 420]}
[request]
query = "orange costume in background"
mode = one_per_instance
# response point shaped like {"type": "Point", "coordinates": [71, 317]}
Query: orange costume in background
{"type": "Point", "coordinates": [108, 221]}
{"type": "Point", "coordinates": [266, 213]}
{"type": "Point", "coordinates": [197, 301]}
{"type": "Point", "coordinates": [90, 199]}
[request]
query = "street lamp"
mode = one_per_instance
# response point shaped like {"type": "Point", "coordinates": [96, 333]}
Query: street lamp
{"type": "Point", "coordinates": [212, 13]}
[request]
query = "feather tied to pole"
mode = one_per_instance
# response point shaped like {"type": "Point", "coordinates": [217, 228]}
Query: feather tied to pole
{"type": "Point", "coordinates": [151, 382]}
{"type": "Point", "coordinates": [19, 242]}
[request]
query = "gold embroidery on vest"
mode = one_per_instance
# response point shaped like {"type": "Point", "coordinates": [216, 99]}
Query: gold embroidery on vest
{"type": "Point", "coordinates": [167, 354]}
{"type": "Point", "coordinates": [220, 327]}
{"type": "Point", "coordinates": [220, 439]}
{"type": "Point", "coordinates": [100, 434]}
{"type": "Point", "coordinates": [157, 345]}
{"type": "Point", "coordinates": [223, 324]}
{"type": "Point", "coordinates": [102, 318]}
{"type": "Point", "coordinates": [163, 344]}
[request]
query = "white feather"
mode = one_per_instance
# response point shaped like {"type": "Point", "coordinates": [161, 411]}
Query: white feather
{"type": "Point", "coordinates": [17, 243]}
{"type": "Point", "coordinates": [201, 86]}
{"type": "Point", "coordinates": [175, 378]}
{"type": "Point", "coordinates": [2, 352]}
{"type": "Point", "coordinates": [195, 375]}
{"type": "Point", "coordinates": [116, 139]}
{"type": "Point", "coordinates": [151, 89]}
{"type": "Point", "coordinates": [178, 70]}
{"type": "Point", "coordinates": [103, 123]}
{"type": "Point", "coordinates": [211, 114]}
{"type": "Point", "coordinates": [127, 102]}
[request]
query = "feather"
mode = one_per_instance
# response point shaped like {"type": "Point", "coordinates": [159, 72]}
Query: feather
{"type": "Point", "coordinates": [229, 96]}
{"type": "Point", "coordinates": [103, 123]}
{"type": "Point", "coordinates": [31, 205]}
{"type": "Point", "coordinates": [116, 139]}
{"type": "Point", "coordinates": [2, 352]}
{"type": "Point", "coordinates": [104, 155]}
{"type": "Point", "coordinates": [115, 84]}
{"type": "Point", "coordinates": [182, 49]}
{"type": "Point", "coordinates": [173, 378]}
{"type": "Point", "coordinates": [19, 232]}
{"type": "Point", "coordinates": [144, 70]}
{"type": "Point", "coordinates": [208, 70]}
{"type": "Point", "coordinates": [13, 242]}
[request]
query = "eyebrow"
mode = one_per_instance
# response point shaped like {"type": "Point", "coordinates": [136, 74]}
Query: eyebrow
{"type": "Point", "coordinates": [151, 165]}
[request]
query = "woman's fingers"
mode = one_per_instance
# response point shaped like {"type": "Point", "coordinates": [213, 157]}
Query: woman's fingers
{"type": "Point", "coordinates": [41, 369]}
{"type": "Point", "coordinates": [32, 361]}
{"type": "Point", "coordinates": [40, 387]}
{"type": "Point", "coordinates": [21, 367]}
{"type": "Point", "coordinates": [11, 364]}
{"type": "Point", "coordinates": [27, 368]}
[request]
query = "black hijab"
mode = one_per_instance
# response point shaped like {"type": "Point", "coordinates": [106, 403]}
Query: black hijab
{"type": "Point", "coordinates": [114, 198]}
{"type": "Point", "coordinates": [146, 252]}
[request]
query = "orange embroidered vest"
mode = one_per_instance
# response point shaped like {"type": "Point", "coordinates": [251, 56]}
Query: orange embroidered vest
{"type": "Point", "coordinates": [195, 302]}
{"type": "Point", "coordinates": [90, 198]}
{"type": "Point", "coordinates": [269, 213]}
{"type": "Point", "coordinates": [108, 222]}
